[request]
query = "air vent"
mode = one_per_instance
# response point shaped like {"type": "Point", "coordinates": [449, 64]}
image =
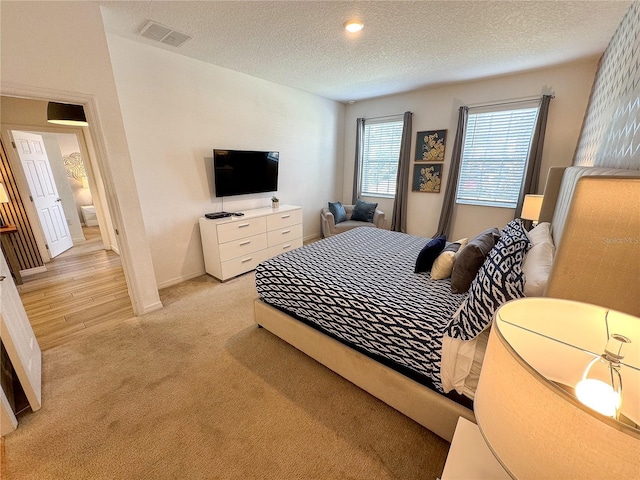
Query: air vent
{"type": "Point", "coordinates": [163, 34]}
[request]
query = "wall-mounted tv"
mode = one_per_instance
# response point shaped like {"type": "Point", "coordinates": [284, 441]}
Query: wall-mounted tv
{"type": "Point", "coordinates": [239, 172]}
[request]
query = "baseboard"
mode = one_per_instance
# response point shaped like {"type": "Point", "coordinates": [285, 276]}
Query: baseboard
{"type": "Point", "coordinates": [312, 238]}
{"type": "Point", "coordinates": [180, 279]}
{"type": "Point", "coordinates": [151, 308]}
{"type": "Point", "coordinates": [33, 271]}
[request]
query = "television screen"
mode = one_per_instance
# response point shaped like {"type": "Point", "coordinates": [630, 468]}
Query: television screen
{"type": "Point", "coordinates": [239, 172]}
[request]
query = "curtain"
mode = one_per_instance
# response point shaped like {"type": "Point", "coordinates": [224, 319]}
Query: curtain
{"type": "Point", "coordinates": [446, 214]}
{"type": "Point", "coordinates": [532, 174]}
{"type": "Point", "coordinates": [356, 168]}
{"type": "Point", "coordinates": [399, 218]}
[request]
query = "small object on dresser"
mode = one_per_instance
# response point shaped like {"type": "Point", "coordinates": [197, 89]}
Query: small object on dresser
{"type": "Point", "coordinates": [214, 215]}
{"type": "Point", "coordinates": [275, 202]}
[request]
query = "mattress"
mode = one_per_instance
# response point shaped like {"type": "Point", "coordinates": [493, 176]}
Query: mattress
{"type": "Point", "coordinates": [360, 288]}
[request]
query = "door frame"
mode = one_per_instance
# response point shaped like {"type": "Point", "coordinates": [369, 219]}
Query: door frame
{"type": "Point", "coordinates": [25, 192]}
{"type": "Point", "coordinates": [138, 291]}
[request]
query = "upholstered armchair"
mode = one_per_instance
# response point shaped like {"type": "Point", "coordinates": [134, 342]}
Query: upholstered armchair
{"type": "Point", "coordinates": [329, 226]}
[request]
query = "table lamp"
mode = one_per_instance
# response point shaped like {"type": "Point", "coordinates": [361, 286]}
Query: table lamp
{"type": "Point", "coordinates": [531, 208]}
{"type": "Point", "coordinates": [526, 404]}
{"type": "Point", "coordinates": [3, 199]}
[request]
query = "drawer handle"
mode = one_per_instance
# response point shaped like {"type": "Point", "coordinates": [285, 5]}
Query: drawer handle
{"type": "Point", "coordinates": [243, 225]}
{"type": "Point", "coordinates": [245, 243]}
{"type": "Point", "coordinates": [286, 231]}
{"type": "Point", "coordinates": [245, 260]}
{"type": "Point", "coordinates": [285, 216]}
{"type": "Point", "coordinates": [284, 247]}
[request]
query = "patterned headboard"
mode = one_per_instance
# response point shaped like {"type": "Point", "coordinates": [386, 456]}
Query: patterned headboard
{"type": "Point", "coordinates": [596, 228]}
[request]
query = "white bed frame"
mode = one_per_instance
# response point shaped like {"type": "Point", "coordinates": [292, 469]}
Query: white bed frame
{"type": "Point", "coordinates": [427, 407]}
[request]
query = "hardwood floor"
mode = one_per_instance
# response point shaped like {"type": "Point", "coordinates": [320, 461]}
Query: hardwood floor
{"type": "Point", "coordinates": [82, 291]}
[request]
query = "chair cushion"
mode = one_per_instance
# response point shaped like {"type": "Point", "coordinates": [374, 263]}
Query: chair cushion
{"type": "Point", "coordinates": [363, 211]}
{"type": "Point", "coordinates": [349, 224]}
{"type": "Point", "coordinates": [338, 211]}
{"type": "Point", "coordinates": [429, 253]}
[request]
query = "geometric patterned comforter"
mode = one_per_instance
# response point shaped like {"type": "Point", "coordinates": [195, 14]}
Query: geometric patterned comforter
{"type": "Point", "coordinates": [360, 288]}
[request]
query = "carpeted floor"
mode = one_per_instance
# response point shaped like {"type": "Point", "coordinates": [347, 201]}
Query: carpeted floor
{"type": "Point", "coordinates": [197, 391]}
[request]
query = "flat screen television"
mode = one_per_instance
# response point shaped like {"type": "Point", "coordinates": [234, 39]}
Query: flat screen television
{"type": "Point", "coordinates": [239, 172]}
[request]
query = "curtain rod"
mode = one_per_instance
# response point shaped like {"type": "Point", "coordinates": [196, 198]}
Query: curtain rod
{"type": "Point", "coordinates": [507, 102]}
{"type": "Point", "coordinates": [384, 116]}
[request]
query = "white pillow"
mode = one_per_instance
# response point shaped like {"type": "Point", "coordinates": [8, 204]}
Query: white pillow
{"type": "Point", "coordinates": [536, 268]}
{"type": "Point", "coordinates": [443, 265]}
{"type": "Point", "coordinates": [540, 233]}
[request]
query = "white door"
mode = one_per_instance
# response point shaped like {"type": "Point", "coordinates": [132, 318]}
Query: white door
{"type": "Point", "coordinates": [35, 163]}
{"type": "Point", "coordinates": [18, 338]}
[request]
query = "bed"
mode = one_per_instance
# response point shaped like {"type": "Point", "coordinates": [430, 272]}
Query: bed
{"type": "Point", "coordinates": [339, 319]}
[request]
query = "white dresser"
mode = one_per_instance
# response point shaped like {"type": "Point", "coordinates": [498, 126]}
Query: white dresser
{"type": "Point", "coordinates": [235, 245]}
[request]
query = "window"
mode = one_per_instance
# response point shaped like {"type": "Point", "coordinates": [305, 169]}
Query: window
{"type": "Point", "coordinates": [380, 156]}
{"type": "Point", "coordinates": [494, 156]}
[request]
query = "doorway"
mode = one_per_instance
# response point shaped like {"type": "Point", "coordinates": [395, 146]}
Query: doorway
{"type": "Point", "coordinates": [70, 183]}
{"type": "Point", "coordinates": [84, 285]}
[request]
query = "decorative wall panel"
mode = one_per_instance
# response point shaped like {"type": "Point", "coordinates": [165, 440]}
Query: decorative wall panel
{"type": "Point", "coordinates": [23, 241]}
{"type": "Point", "coordinates": [610, 134]}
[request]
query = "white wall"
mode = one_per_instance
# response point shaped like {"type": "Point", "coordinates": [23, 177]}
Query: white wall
{"type": "Point", "coordinates": [58, 51]}
{"type": "Point", "coordinates": [176, 110]}
{"type": "Point", "coordinates": [437, 108]}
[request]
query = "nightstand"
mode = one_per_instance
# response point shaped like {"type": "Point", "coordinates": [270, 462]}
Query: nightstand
{"type": "Point", "coordinates": [469, 457]}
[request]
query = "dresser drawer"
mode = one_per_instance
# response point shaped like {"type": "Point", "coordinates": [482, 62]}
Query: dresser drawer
{"type": "Point", "coordinates": [284, 219]}
{"type": "Point", "coordinates": [240, 228]}
{"type": "Point", "coordinates": [245, 263]}
{"type": "Point", "coordinates": [284, 247]}
{"type": "Point", "coordinates": [242, 246]}
{"type": "Point", "coordinates": [286, 234]}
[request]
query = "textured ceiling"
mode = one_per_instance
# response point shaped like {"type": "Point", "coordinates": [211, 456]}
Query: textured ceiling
{"type": "Point", "coordinates": [405, 45]}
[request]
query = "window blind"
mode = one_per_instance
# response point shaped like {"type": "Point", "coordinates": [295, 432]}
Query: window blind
{"type": "Point", "coordinates": [380, 156]}
{"type": "Point", "coordinates": [494, 156]}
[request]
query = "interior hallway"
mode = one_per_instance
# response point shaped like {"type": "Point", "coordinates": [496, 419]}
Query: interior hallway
{"type": "Point", "coordinates": [82, 291]}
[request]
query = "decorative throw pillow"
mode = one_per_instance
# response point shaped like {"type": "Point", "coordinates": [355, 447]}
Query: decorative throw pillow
{"type": "Point", "coordinates": [516, 229]}
{"type": "Point", "coordinates": [471, 258]}
{"type": "Point", "coordinates": [338, 211]}
{"type": "Point", "coordinates": [499, 280]}
{"type": "Point", "coordinates": [428, 254]}
{"type": "Point", "coordinates": [363, 211]}
{"type": "Point", "coordinates": [443, 265]}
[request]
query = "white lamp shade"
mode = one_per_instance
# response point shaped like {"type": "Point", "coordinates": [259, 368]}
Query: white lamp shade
{"type": "Point", "coordinates": [531, 207]}
{"type": "Point", "coordinates": [534, 427]}
{"type": "Point", "coordinates": [3, 195]}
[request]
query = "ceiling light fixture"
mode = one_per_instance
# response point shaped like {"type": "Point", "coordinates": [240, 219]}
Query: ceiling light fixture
{"type": "Point", "coordinates": [353, 26]}
{"type": "Point", "coordinates": [66, 114]}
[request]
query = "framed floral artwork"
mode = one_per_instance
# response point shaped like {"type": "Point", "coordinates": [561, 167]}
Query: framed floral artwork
{"type": "Point", "coordinates": [430, 146]}
{"type": "Point", "coordinates": [427, 177]}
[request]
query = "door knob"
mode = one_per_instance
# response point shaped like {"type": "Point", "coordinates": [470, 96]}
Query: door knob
{"type": "Point", "coordinates": [2, 277]}
{"type": "Point", "coordinates": [58, 199]}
